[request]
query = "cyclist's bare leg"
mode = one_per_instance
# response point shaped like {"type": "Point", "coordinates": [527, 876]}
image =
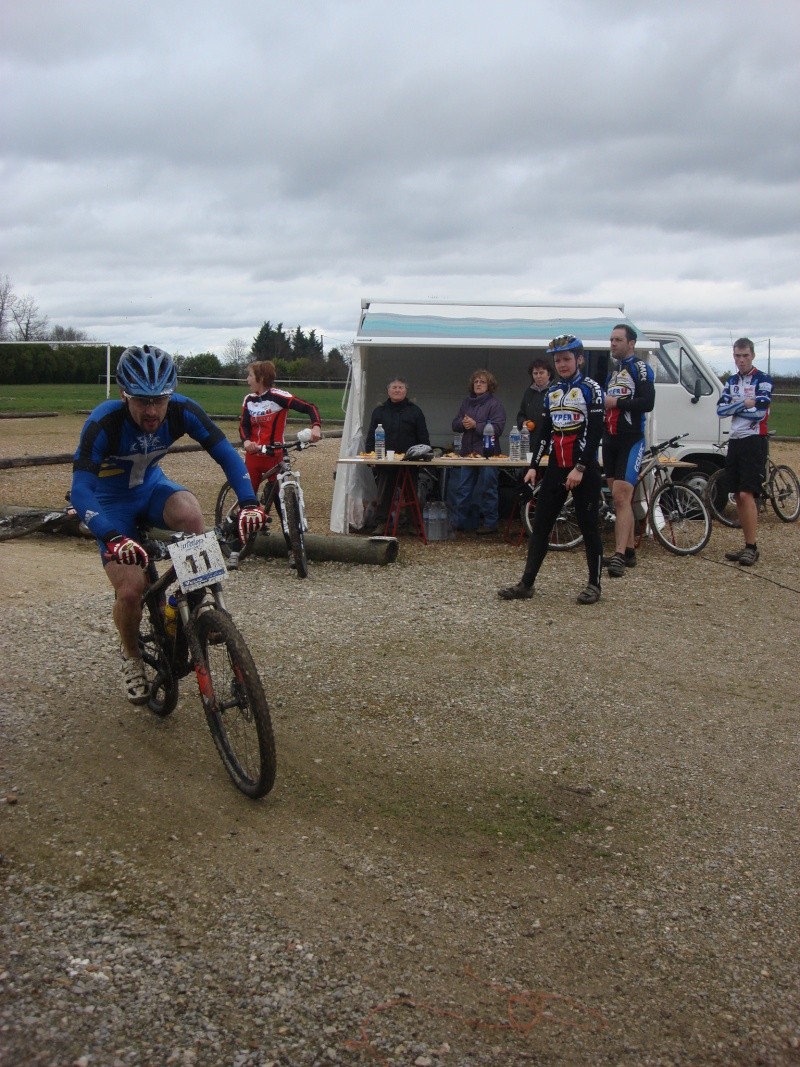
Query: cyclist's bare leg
{"type": "Point", "coordinates": [182, 512]}
{"type": "Point", "coordinates": [622, 495]}
{"type": "Point", "coordinates": [747, 509]}
{"type": "Point", "coordinates": [129, 583]}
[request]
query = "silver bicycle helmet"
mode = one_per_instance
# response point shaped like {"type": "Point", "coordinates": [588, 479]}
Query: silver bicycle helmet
{"type": "Point", "coordinates": [146, 371]}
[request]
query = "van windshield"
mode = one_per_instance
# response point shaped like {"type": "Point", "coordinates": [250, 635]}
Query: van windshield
{"type": "Point", "coordinates": [673, 364]}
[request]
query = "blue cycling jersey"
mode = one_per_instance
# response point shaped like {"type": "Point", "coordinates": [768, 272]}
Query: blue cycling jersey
{"type": "Point", "coordinates": [116, 460]}
{"type": "Point", "coordinates": [746, 422]}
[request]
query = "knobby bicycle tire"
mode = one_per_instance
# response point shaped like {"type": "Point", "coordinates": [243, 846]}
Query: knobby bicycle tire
{"type": "Point", "coordinates": [720, 500]}
{"type": "Point", "coordinates": [565, 533]}
{"type": "Point", "coordinates": [235, 705]}
{"type": "Point", "coordinates": [679, 519]}
{"type": "Point", "coordinates": [784, 493]}
{"type": "Point", "coordinates": [294, 520]}
{"type": "Point", "coordinates": [158, 670]}
{"type": "Point", "coordinates": [226, 515]}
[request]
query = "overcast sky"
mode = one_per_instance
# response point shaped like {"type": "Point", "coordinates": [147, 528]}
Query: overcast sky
{"type": "Point", "coordinates": [177, 173]}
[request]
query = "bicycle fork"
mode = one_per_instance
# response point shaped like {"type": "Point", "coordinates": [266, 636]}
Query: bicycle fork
{"type": "Point", "coordinates": [295, 480]}
{"type": "Point", "coordinates": [188, 616]}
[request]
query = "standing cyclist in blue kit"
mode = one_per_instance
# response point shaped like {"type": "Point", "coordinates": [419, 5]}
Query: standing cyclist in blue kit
{"type": "Point", "coordinates": [630, 394]}
{"type": "Point", "coordinates": [117, 484]}
{"type": "Point", "coordinates": [745, 400]}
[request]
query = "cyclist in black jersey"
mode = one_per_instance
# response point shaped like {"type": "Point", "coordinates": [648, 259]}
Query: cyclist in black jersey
{"type": "Point", "coordinates": [571, 429]}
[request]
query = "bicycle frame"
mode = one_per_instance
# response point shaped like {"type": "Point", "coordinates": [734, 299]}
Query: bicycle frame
{"type": "Point", "coordinates": [207, 641]}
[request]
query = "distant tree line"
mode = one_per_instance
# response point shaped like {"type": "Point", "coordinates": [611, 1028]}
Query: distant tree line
{"type": "Point", "coordinates": [298, 356]}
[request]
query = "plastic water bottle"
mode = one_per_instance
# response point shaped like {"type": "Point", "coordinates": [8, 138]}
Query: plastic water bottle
{"type": "Point", "coordinates": [380, 442]}
{"type": "Point", "coordinates": [524, 441]}
{"type": "Point", "coordinates": [514, 443]}
{"type": "Point", "coordinates": [171, 616]}
{"type": "Point", "coordinates": [488, 440]}
{"type": "Point", "coordinates": [457, 439]}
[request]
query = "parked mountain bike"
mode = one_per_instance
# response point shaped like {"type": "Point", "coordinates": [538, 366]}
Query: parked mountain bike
{"type": "Point", "coordinates": [675, 513]}
{"type": "Point", "coordinates": [781, 487]}
{"type": "Point", "coordinates": [39, 520]}
{"type": "Point", "coordinates": [186, 626]}
{"type": "Point", "coordinates": [281, 483]}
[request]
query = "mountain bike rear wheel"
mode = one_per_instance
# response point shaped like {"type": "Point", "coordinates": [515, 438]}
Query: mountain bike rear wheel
{"type": "Point", "coordinates": [235, 705]}
{"type": "Point", "coordinates": [720, 500]}
{"type": "Point", "coordinates": [291, 501]}
{"type": "Point", "coordinates": [784, 493]}
{"type": "Point", "coordinates": [679, 519]}
{"type": "Point", "coordinates": [565, 533]}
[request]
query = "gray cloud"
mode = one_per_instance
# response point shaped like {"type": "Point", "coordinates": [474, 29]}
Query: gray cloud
{"type": "Point", "coordinates": [189, 170]}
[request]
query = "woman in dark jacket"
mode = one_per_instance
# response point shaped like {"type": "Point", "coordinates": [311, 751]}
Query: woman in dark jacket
{"type": "Point", "coordinates": [531, 407]}
{"type": "Point", "coordinates": [475, 496]}
{"type": "Point", "coordinates": [403, 422]}
{"type": "Point", "coordinates": [404, 425]}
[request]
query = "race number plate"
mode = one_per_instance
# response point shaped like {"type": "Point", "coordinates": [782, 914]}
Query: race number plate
{"type": "Point", "coordinates": [198, 561]}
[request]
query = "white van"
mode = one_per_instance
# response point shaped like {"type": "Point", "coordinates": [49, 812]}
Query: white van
{"type": "Point", "coordinates": [437, 345]}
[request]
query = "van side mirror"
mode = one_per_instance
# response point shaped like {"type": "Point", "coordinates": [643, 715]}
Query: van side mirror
{"type": "Point", "coordinates": [698, 385]}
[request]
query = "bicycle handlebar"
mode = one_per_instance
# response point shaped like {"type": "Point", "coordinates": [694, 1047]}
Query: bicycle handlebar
{"type": "Point", "coordinates": [285, 446]}
{"type": "Point", "coordinates": [158, 551]}
{"type": "Point", "coordinates": [654, 450]}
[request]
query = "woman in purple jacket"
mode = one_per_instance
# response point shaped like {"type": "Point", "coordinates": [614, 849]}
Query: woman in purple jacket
{"type": "Point", "coordinates": [479, 408]}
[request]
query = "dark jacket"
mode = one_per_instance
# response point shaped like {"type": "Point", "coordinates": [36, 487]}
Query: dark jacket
{"type": "Point", "coordinates": [403, 422]}
{"type": "Point", "coordinates": [531, 407]}
{"type": "Point", "coordinates": [483, 409]}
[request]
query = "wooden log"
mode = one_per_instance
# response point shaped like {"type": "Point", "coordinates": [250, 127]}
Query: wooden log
{"type": "Point", "coordinates": [335, 548]}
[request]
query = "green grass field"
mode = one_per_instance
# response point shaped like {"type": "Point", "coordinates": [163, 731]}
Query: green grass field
{"type": "Point", "coordinates": [216, 399]}
{"type": "Point", "coordinates": [784, 419]}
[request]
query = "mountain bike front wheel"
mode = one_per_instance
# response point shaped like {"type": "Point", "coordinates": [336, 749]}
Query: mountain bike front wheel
{"type": "Point", "coordinates": [235, 705]}
{"type": "Point", "coordinates": [226, 518]}
{"type": "Point", "coordinates": [679, 519]}
{"type": "Point", "coordinates": [784, 493]}
{"type": "Point", "coordinates": [294, 520]}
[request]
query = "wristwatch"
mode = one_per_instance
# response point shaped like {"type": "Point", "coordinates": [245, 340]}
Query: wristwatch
{"type": "Point", "coordinates": [580, 467]}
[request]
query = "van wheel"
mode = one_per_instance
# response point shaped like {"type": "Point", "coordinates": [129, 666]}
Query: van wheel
{"type": "Point", "coordinates": [697, 477]}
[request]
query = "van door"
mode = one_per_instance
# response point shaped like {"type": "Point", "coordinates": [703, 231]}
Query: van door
{"type": "Point", "coordinates": [687, 391]}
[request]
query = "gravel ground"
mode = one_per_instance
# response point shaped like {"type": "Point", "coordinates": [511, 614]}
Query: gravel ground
{"type": "Point", "coordinates": [501, 833]}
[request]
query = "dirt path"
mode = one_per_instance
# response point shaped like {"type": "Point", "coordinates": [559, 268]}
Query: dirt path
{"type": "Point", "coordinates": [500, 834]}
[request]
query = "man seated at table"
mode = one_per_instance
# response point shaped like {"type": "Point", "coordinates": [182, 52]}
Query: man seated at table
{"type": "Point", "coordinates": [404, 425]}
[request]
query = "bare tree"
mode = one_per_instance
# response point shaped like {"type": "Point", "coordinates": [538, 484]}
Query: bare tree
{"type": "Point", "coordinates": [29, 323]}
{"type": "Point", "coordinates": [65, 334]}
{"type": "Point", "coordinates": [237, 354]}
{"type": "Point", "coordinates": [8, 299]}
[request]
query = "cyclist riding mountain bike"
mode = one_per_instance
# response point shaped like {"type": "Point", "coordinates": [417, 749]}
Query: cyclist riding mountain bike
{"type": "Point", "coordinates": [630, 394]}
{"type": "Point", "coordinates": [118, 484]}
{"type": "Point", "coordinates": [571, 429]}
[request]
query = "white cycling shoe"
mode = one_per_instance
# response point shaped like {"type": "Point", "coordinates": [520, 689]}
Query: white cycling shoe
{"type": "Point", "coordinates": [136, 688]}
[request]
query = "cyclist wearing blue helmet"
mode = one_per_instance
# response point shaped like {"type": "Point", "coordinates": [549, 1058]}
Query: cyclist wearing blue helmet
{"type": "Point", "coordinates": [571, 429]}
{"type": "Point", "coordinates": [118, 484]}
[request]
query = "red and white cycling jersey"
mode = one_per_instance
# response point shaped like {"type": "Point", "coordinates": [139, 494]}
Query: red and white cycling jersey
{"type": "Point", "coordinates": [264, 415]}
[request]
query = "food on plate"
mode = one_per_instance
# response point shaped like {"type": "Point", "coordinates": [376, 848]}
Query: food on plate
{"type": "Point", "coordinates": [366, 455]}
